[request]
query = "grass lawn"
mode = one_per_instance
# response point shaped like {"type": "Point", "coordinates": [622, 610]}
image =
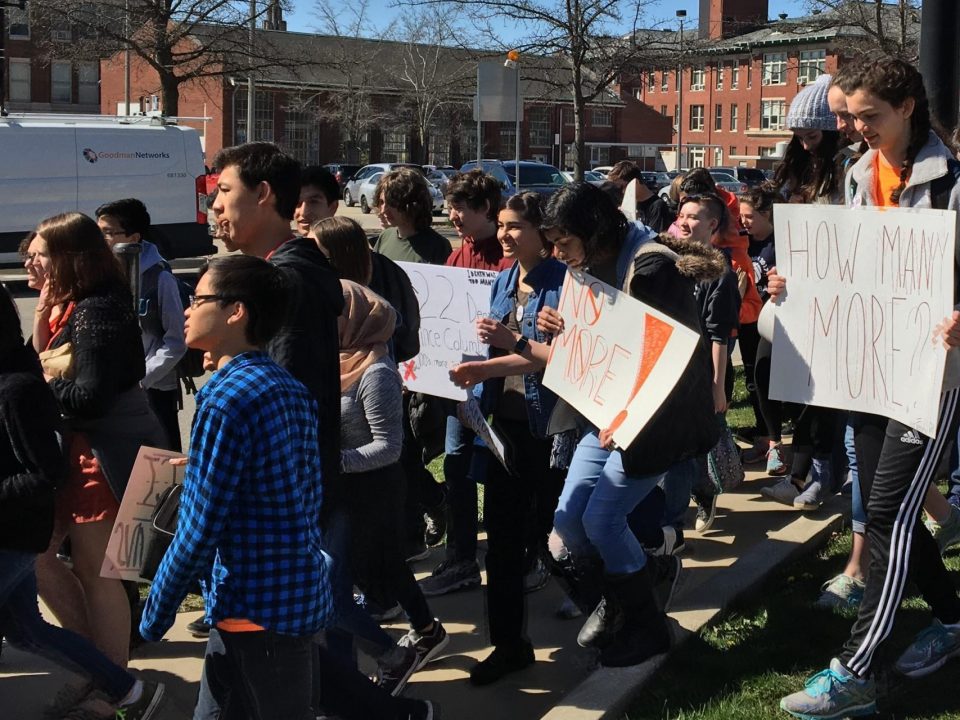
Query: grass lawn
{"type": "Point", "coordinates": [740, 668]}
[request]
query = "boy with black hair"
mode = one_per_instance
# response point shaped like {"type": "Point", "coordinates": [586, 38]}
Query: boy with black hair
{"type": "Point", "coordinates": [161, 311]}
{"type": "Point", "coordinates": [319, 198]}
{"type": "Point", "coordinates": [651, 210]}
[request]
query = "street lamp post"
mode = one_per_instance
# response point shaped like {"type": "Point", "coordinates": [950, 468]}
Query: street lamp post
{"type": "Point", "coordinates": [251, 90]}
{"type": "Point", "coordinates": [513, 62]}
{"type": "Point", "coordinates": [680, 14]}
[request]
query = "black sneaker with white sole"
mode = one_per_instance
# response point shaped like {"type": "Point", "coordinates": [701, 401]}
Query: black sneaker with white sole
{"type": "Point", "coordinates": [428, 645]}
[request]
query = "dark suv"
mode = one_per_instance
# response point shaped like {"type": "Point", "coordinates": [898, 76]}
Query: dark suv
{"type": "Point", "coordinates": [342, 172]}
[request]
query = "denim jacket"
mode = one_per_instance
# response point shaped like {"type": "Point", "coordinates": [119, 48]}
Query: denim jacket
{"type": "Point", "coordinates": [546, 279]}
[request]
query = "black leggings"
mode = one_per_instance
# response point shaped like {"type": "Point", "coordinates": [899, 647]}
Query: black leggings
{"type": "Point", "coordinates": [771, 411]}
{"type": "Point", "coordinates": [749, 340]}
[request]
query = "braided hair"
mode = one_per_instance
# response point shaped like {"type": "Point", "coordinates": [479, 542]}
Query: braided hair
{"type": "Point", "coordinates": [894, 81]}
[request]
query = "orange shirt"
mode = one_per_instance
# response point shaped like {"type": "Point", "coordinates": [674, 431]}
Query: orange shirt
{"type": "Point", "coordinates": [238, 625]}
{"type": "Point", "coordinates": [886, 180]}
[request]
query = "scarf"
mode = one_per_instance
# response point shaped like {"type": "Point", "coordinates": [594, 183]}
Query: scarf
{"type": "Point", "coordinates": [365, 327]}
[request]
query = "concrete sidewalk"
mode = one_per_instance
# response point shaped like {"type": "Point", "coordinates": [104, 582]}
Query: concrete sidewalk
{"type": "Point", "coordinates": [752, 536]}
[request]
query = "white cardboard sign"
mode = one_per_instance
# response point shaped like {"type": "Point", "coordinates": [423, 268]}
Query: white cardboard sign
{"type": "Point", "coordinates": [152, 474]}
{"type": "Point", "coordinates": [865, 289]}
{"type": "Point", "coordinates": [617, 358]}
{"type": "Point", "coordinates": [451, 299]}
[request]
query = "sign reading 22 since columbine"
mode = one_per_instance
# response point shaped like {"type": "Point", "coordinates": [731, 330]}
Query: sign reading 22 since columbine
{"type": "Point", "coordinates": [865, 289]}
{"type": "Point", "coordinates": [451, 299]}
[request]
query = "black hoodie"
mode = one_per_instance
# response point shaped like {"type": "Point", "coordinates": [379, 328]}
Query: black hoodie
{"type": "Point", "coordinates": [308, 344]}
{"type": "Point", "coordinates": [31, 463]}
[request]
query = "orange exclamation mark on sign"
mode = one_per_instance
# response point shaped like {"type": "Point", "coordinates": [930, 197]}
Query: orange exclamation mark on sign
{"type": "Point", "coordinates": [656, 335]}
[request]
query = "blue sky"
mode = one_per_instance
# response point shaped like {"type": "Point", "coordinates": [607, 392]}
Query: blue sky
{"type": "Point", "coordinates": [304, 18]}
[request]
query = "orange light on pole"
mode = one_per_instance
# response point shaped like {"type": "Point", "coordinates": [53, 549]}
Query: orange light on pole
{"type": "Point", "coordinates": [513, 55]}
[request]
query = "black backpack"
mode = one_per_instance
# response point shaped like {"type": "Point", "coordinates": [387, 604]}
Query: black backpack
{"type": "Point", "coordinates": [191, 364]}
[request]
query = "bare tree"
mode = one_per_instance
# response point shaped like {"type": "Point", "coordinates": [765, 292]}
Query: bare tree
{"type": "Point", "coordinates": [431, 76]}
{"type": "Point", "coordinates": [890, 26]}
{"type": "Point", "coordinates": [592, 41]}
{"type": "Point", "coordinates": [353, 54]}
{"type": "Point", "coordinates": [182, 40]}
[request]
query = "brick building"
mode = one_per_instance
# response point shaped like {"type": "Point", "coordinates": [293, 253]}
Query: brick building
{"type": "Point", "coordinates": [33, 83]}
{"type": "Point", "coordinates": [739, 74]}
{"type": "Point", "coordinates": [295, 105]}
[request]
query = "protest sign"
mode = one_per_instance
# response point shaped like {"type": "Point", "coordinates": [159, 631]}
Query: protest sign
{"type": "Point", "coordinates": [152, 474]}
{"type": "Point", "coordinates": [451, 299]}
{"type": "Point", "coordinates": [865, 289]}
{"type": "Point", "coordinates": [617, 358]}
{"type": "Point", "coordinates": [471, 416]}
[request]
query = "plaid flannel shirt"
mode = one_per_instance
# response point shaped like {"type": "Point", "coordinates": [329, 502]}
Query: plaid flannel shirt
{"type": "Point", "coordinates": [250, 506]}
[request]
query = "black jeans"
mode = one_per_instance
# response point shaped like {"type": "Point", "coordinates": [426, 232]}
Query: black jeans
{"type": "Point", "coordinates": [258, 676]}
{"type": "Point", "coordinates": [165, 404]}
{"type": "Point", "coordinates": [374, 502]}
{"type": "Point", "coordinates": [424, 493]}
{"type": "Point", "coordinates": [749, 340]}
{"type": "Point", "coordinates": [895, 466]}
{"type": "Point", "coordinates": [771, 411]}
{"type": "Point", "coordinates": [518, 514]}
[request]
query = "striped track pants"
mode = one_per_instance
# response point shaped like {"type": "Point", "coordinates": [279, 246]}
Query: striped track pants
{"type": "Point", "coordinates": [896, 465]}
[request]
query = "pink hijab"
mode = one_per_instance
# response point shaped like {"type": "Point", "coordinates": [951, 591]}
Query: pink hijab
{"type": "Point", "coordinates": [365, 327]}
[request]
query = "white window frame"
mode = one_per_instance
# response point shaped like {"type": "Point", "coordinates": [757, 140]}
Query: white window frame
{"type": "Point", "coordinates": [396, 144]}
{"type": "Point", "coordinates": [17, 85]}
{"type": "Point", "coordinates": [664, 80]}
{"type": "Point", "coordinates": [717, 156]}
{"type": "Point", "coordinates": [718, 81]}
{"type": "Point", "coordinates": [734, 117]}
{"type": "Point", "coordinates": [696, 118]}
{"type": "Point", "coordinates": [61, 84]}
{"type": "Point", "coordinates": [773, 115]}
{"type": "Point", "coordinates": [651, 81]}
{"type": "Point", "coordinates": [539, 130]}
{"type": "Point", "coordinates": [698, 78]}
{"type": "Point", "coordinates": [774, 69]}
{"type": "Point", "coordinates": [734, 74]}
{"type": "Point", "coordinates": [718, 118]}
{"type": "Point", "coordinates": [811, 65]}
{"type": "Point", "coordinates": [88, 83]}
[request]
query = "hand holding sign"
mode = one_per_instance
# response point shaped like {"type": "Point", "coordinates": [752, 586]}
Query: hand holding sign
{"type": "Point", "coordinates": [947, 332]}
{"type": "Point", "coordinates": [495, 334]}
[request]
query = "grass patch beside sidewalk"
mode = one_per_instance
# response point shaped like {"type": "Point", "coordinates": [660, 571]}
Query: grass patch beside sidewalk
{"type": "Point", "coordinates": [740, 668]}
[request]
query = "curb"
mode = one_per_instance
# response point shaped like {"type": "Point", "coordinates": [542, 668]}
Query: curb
{"type": "Point", "coordinates": [607, 693]}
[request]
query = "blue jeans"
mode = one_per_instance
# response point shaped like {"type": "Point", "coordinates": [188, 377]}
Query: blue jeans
{"type": "Point", "coordinates": [24, 627]}
{"type": "Point", "coordinates": [858, 522]}
{"type": "Point", "coordinates": [680, 480]}
{"type": "Point", "coordinates": [597, 496]}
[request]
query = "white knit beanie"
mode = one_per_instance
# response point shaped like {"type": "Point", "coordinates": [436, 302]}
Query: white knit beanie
{"type": "Point", "coordinates": [810, 110]}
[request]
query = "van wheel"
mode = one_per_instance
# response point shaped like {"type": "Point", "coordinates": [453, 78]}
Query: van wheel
{"type": "Point", "coordinates": [347, 199]}
{"type": "Point", "coordinates": [364, 207]}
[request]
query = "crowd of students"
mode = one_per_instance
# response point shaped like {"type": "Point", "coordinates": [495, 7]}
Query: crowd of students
{"type": "Point", "coordinates": [306, 488]}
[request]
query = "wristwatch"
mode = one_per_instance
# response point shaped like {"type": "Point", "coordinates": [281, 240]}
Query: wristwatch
{"type": "Point", "coordinates": [521, 345]}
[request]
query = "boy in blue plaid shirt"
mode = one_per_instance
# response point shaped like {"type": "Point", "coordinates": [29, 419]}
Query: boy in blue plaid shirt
{"type": "Point", "coordinates": [251, 502]}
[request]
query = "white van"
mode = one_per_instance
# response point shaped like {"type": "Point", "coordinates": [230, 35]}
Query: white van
{"type": "Point", "coordinates": [51, 164]}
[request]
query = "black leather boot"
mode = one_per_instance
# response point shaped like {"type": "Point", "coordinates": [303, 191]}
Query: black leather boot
{"type": "Point", "coordinates": [644, 632]}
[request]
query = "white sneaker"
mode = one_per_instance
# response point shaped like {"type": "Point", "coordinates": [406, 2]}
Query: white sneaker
{"type": "Point", "coordinates": [783, 492]}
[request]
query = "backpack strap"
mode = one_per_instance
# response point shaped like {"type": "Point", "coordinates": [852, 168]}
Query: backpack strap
{"type": "Point", "coordinates": [942, 187]}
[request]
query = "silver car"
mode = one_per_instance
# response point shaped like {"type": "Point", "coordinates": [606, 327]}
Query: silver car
{"type": "Point", "coordinates": [351, 194]}
{"type": "Point", "coordinates": [366, 191]}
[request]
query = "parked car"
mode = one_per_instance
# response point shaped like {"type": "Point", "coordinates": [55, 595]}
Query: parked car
{"type": "Point", "coordinates": [534, 176]}
{"type": "Point", "coordinates": [440, 177]}
{"type": "Point", "coordinates": [728, 182]}
{"type": "Point", "coordinates": [590, 176]}
{"type": "Point", "coordinates": [342, 172]}
{"type": "Point", "coordinates": [603, 169]}
{"type": "Point", "coordinates": [351, 192]}
{"type": "Point", "coordinates": [367, 189]}
{"type": "Point", "coordinates": [748, 176]}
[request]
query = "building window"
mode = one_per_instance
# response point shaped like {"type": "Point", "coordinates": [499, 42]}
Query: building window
{"type": "Point", "coordinates": [766, 152]}
{"type": "Point", "coordinates": [734, 74]}
{"type": "Point", "coordinates": [651, 81]}
{"type": "Point", "coordinates": [774, 68]}
{"type": "Point", "coordinates": [772, 114]}
{"type": "Point", "coordinates": [262, 116]}
{"type": "Point", "coordinates": [697, 78]}
{"type": "Point", "coordinates": [508, 141]}
{"type": "Point", "coordinates": [813, 64]}
{"type": "Point", "coordinates": [696, 157]}
{"type": "Point", "coordinates": [747, 126]}
{"type": "Point", "coordinates": [676, 114]}
{"type": "Point", "coordinates": [18, 23]}
{"type": "Point", "coordinates": [61, 82]}
{"type": "Point", "coordinates": [395, 145]}
{"type": "Point", "coordinates": [539, 124]}
{"type": "Point", "coordinates": [679, 75]}
{"type": "Point", "coordinates": [599, 155]}
{"type": "Point", "coordinates": [664, 80]}
{"type": "Point", "coordinates": [19, 71]}
{"type": "Point", "coordinates": [718, 156]}
{"type": "Point", "coordinates": [733, 151]}
{"type": "Point", "coordinates": [637, 93]}
{"type": "Point", "coordinates": [749, 73]}
{"type": "Point", "coordinates": [696, 118]}
{"type": "Point", "coordinates": [302, 133]}
{"type": "Point", "coordinates": [719, 80]}
{"type": "Point", "coordinates": [663, 110]}
{"type": "Point", "coordinates": [88, 83]}
{"type": "Point", "coordinates": [440, 146]}
{"type": "Point", "coordinates": [601, 117]}
{"type": "Point", "coordinates": [733, 118]}
{"type": "Point", "coordinates": [718, 117]}
{"type": "Point", "coordinates": [468, 145]}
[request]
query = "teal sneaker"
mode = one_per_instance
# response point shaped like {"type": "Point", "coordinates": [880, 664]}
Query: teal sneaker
{"type": "Point", "coordinates": [932, 648]}
{"type": "Point", "coordinates": [832, 693]}
{"type": "Point", "coordinates": [841, 592]}
{"type": "Point", "coordinates": [775, 464]}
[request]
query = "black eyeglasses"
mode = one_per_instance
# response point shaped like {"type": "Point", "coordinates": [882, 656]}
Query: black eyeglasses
{"type": "Point", "coordinates": [198, 300]}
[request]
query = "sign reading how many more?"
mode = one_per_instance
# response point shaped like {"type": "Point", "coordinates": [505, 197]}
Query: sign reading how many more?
{"type": "Point", "coordinates": [865, 289]}
{"type": "Point", "coordinates": [451, 299]}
